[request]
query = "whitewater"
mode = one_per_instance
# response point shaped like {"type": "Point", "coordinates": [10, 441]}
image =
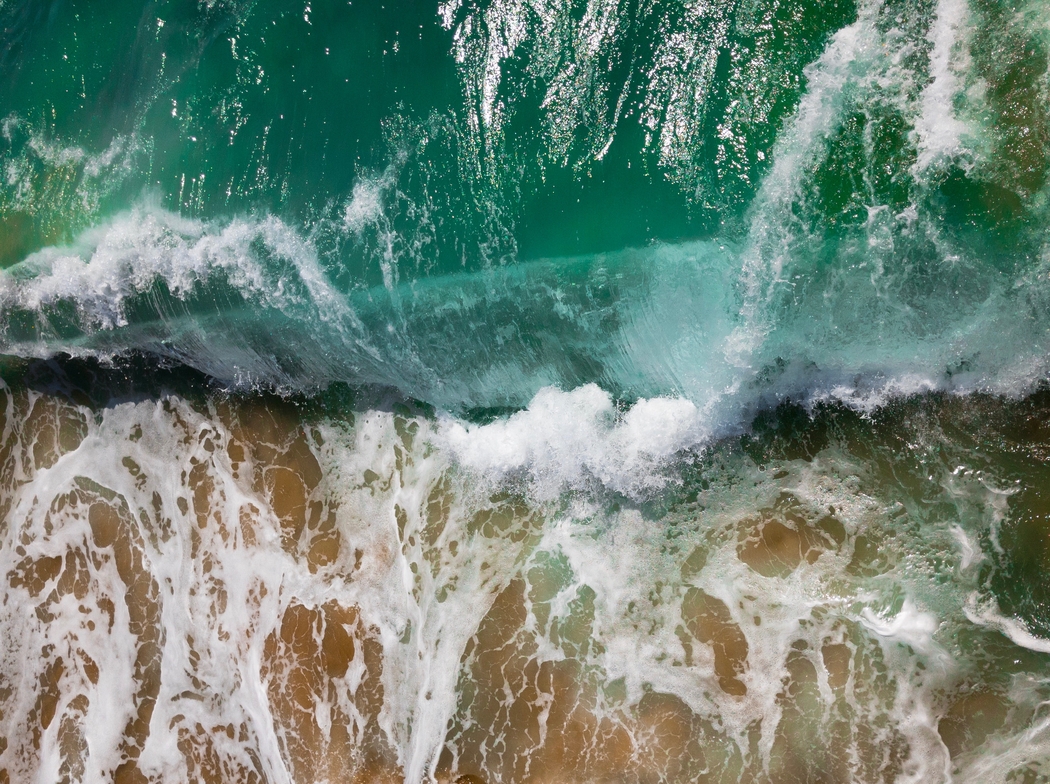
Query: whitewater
{"type": "Point", "coordinates": [525, 392]}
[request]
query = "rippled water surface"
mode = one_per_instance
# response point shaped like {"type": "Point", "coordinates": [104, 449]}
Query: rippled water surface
{"type": "Point", "coordinates": [525, 391]}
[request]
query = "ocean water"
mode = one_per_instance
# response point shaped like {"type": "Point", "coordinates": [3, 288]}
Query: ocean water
{"type": "Point", "coordinates": [542, 391]}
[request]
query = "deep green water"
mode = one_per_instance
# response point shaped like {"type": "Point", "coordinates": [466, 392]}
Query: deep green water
{"type": "Point", "coordinates": [654, 276]}
{"type": "Point", "coordinates": [470, 202]}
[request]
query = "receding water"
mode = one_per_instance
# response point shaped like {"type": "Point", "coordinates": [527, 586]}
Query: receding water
{"type": "Point", "coordinates": [525, 391]}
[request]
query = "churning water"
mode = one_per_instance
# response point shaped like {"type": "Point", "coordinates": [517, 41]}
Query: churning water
{"type": "Point", "coordinates": [525, 391]}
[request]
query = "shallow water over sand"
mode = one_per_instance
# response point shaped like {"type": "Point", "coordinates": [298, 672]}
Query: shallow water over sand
{"type": "Point", "coordinates": [499, 391]}
{"type": "Point", "coordinates": [240, 588]}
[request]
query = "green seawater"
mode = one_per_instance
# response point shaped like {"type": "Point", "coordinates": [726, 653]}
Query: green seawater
{"type": "Point", "coordinates": [353, 193]}
{"type": "Point", "coordinates": [524, 390]}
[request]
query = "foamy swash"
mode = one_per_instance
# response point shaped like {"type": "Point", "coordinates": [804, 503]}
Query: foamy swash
{"type": "Point", "coordinates": [226, 591]}
{"type": "Point", "coordinates": [525, 392]}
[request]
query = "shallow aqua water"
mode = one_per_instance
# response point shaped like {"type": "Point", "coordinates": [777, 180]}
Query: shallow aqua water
{"type": "Point", "coordinates": [524, 391]}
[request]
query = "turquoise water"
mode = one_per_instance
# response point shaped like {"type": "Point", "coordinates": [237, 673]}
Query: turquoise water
{"type": "Point", "coordinates": [346, 193]}
{"type": "Point", "coordinates": [697, 351]}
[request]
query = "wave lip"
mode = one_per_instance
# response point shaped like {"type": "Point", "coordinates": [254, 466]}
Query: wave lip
{"type": "Point", "coordinates": [250, 303]}
{"type": "Point", "coordinates": [564, 439]}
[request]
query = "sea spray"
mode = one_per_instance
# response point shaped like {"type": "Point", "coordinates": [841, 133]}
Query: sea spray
{"type": "Point", "coordinates": [524, 391]}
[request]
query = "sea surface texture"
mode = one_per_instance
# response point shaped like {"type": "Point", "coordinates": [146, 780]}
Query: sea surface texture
{"type": "Point", "coordinates": [525, 391]}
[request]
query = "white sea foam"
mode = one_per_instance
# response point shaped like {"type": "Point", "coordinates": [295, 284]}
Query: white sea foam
{"type": "Point", "coordinates": [672, 331]}
{"type": "Point", "coordinates": [869, 397]}
{"type": "Point", "coordinates": [432, 535]}
{"type": "Point", "coordinates": [365, 205]}
{"type": "Point", "coordinates": [968, 552]}
{"type": "Point", "coordinates": [567, 438]}
{"type": "Point", "coordinates": [910, 626]}
{"type": "Point", "coordinates": [440, 519]}
{"type": "Point", "coordinates": [984, 611]}
{"type": "Point", "coordinates": [125, 257]}
{"type": "Point", "coordinates": [941, 132]}
{"type": "Point", "coordinates": [847, 57]}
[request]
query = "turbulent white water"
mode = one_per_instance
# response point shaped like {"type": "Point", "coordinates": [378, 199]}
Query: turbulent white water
{"type": "Point", "coordinates": [389, 592]}
{"type": "Point", "coordinates": [804, 304]}
{"type": "Point", "coordinates": [734, 505]}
